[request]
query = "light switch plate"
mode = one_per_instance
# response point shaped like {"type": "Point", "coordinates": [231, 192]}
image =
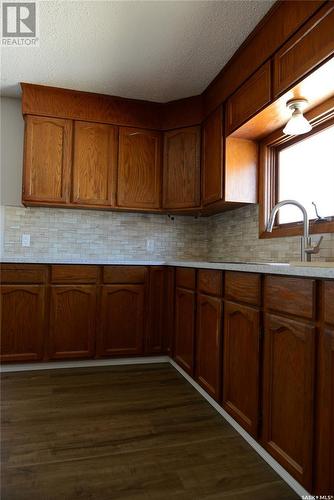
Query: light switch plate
{"type": "Point", "coordinates": [25, 240]}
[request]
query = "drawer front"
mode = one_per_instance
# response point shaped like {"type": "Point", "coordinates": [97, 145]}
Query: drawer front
{"type": "Point", "coordinates": [185, 278]}
{"type": "Point", "coordinates": [124, 274]}
{"type": "Point", "coordinates": [243, 287]}
{"type": "Point", "coordinates": [210, 282]}
{"type": "Point", "coordinates": [26, 273]}
{"type": "Point", "coordinates": [252, 96]}
{"type": "Point", "coordinates": [329, 302]}
{"type": "Point", "coordinates": [74, 274]}
{"type": "Point", "coordinates": [290, 295]}
{"type": "Point", "coordinates": [307, 49]}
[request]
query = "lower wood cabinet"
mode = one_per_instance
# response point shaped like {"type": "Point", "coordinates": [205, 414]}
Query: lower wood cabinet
{"type": "Point", "coordinates": [169, 305]}
{"type": "Point", "coordinates": [22, 322]}
{"type": "Point", "coordinates": [156, 299]}
{"type": "Point", "coordinates": [185, 304]}
{"type": "Point", "coordinates": [72, 321]}
{"type": "Point", "coordinates": [242, 365]}
{"type": "Point", "coordinates": [208, 343]}
{"type": "Point", "coordinates": [121, 321]}
{"type": "Point", "coordinates": [288, 397]}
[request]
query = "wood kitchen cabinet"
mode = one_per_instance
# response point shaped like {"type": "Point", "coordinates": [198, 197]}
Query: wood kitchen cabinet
{"type": "Point", "coordinates": [94, 164]}
{"type": "Point", "coordinates": [308, 48]}
{"type": "Point", "coordinates": [185, 306]}
{"type": "Point", "coordinates": [288, 394]}
{"type": "Point", "coordinates": [72, 321]}
{"type": "Point", "coordinates": [156, 304]}
{"type": "Point", "coordinates": [23, 327]}
{"type": "Point", "coordinates": [139, 169]}
{"type": "Point", "coordinates": [181, 168]}
{"type": "Point", "coordinates": [47, 160]}
{"type": "Point", "coordinates": [169, 307]}
{"type": "Point", "coordinates": [242, 365]}
{"type": "Point", "coordinates": [249, 99]}
{"type": "Point", "coordinates": [212, 157]}
{"type": "Point", "coordinates": [121, 320]}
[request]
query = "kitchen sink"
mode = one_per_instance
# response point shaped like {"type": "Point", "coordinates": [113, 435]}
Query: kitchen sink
{"type": "Point", "coordinates": [312, 264]}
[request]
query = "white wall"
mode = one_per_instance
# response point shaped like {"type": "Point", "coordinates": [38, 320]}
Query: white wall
{"type": "Point", "coordinates": [12, 129]}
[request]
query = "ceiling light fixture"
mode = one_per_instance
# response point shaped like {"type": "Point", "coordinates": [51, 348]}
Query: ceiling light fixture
{"type": "Point", "coordinates": [297, 124]}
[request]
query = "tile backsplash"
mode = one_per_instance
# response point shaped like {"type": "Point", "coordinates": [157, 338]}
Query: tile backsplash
{"type": "Point", "coordinates": [86, 234]}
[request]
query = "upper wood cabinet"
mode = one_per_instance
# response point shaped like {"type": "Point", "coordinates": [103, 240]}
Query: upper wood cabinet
{"type": "Point", "coordinates": [250, 98]}
{"type": "Point", "coordinates": [288, 384]}
{"type": "Point", "coordinates": [242, 365]}
{"type": "Point", "coordinates": [94, 164]}
{"type": "Point", "coordinates": [47, 160]}
{"type": "Point", "coordinates": [139, 169]}
{"type": "Point", "coordinates": [212, 158]}
{"type": "Point", "coordinates": [310, 46]}
{"type": "Point", "coordinates": [22, 322]}
{"type": "Point", "coordinates": [181, 169]}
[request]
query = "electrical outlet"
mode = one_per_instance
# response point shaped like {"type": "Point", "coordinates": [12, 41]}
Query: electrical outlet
{"type": "Point", "coordinates": [150, 246]}
{"type": "Point", "coordinates": [25, 240]}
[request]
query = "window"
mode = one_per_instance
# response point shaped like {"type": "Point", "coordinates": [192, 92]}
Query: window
{"type": "Point", "coordinates": [305, 172]}
{"type": "Point", "coordinates": [299, 168]}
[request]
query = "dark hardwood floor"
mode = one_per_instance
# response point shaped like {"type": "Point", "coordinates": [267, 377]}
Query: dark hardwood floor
{"type": "Point", "coordinates": [128, 432]}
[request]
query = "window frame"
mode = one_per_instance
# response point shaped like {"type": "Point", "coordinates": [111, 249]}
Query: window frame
{"type": "Point", "coordinates": [320, 117]}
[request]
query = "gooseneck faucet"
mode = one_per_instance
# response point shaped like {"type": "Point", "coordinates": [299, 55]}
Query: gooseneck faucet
{"type": "Point", "coordinates": [307, 249]}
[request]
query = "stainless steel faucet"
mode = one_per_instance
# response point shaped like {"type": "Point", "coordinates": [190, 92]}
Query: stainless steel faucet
{"type": "Point", "coordinates": [307, 248]}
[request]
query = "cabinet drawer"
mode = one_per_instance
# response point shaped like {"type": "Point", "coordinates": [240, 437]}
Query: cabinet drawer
{"type": "Point", "coordinates": [252, 96]}
{"type": "Point", "coordinates": [329, 302]}
{"type": "Point", "coordinates": [124, 274]}
{"type": "Point", "coordinates": [210, 281]}
{"type": "Point", "coordinates": [307, 49]}
{"type": "Point", "coordinates": [74, 274]}
{"type": "Point", "coordinates": [23, 273]}
{"type": "Point", "coordinates": [290, 295]}
{"type": "Point", "coordinates": [185, 278]}
{"type": "Point", "coordinates": [243, 287]}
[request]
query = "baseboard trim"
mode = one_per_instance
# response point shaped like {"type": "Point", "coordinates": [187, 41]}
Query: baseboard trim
{"type": "Point", "coordinates": [82, 363]}
{"type": "Point", "coordinates": [298, 488]}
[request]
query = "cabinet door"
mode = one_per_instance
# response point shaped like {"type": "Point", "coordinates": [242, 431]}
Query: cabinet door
{"type": "Point", "coordinates": [22, 322]}
{"type": "Point", "coordinates": [156, 303]}
{"type": "Point", "coordinates": [72, 321]}
{"type": "Point", "coordinates": [208, 343]}
{"type": "Point", "coordinates": [169, 307]}
{"type": "Point", "coordinates": [139, 169]}
{"type": "Point", "coordinates": [181, 179]}
{"type": "Point", "coordinates": [122, 320]}
{"type": "Point", "coordinates": [47, 160]}
{"type": "Point", "coordinates": [311, 45]}
{"type": "Point", "coordinates": [241, 374]}
{"type": "Point", "coordinates": [324, 471]}
{"type": "Point", "coordinates": [94, 164]}
{"type": "Point", "coordinates": [212, 156]}
{"type": "Point", "coordinates": [250, 98]}
{"type": "Point", "coordinates": [288, 380]}
{"type": "Point", "coordinates": [184, 329]}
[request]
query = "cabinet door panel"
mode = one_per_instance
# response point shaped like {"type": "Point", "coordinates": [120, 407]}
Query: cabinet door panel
{"type": "Point", "coordinates": [169, 308]}
{"type": "Point", "coordinates": [212, 156]}
{"type": "Point", "coordinates": [156, 302]}
{"type": "Point", "coordinates": [208, 343]}
{"type": "Point", "coordinates": [122, 320]}
{"type": "Point", "coordinates": [311, 45]}
{"type": "Point", "coordinates": [181, 182]}
{"type": "Point", "coordinates": [288, 395]}
{"type": "Point", "coordinates": [72, 321]}
{"type": "Point", "coordinates": [324, 470]}
{"type": "Point", "coordinates": [22, 322]}
{"type": "Point", "coordinates": [139, 169]}
{"type": "Point", "coordinates": [242, 365]}
{"type": "Point", "coordinates": [47, 160]}
{"type": "Point", "coordinates": [94, 164]}
{"type": "Point", "coordinates": [184, 329]}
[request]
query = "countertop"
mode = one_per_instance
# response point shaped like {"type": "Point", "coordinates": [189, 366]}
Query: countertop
{"type": "Point", "coordinates": [259, 267]}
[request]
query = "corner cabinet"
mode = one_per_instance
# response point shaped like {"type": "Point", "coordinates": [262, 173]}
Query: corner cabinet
{"type": "Point", "coordinates": [181, 172]}
{"type": "Point", "coordinates": [47, 160]}
{"type": "Point", "coordinates": [185, 307]}
{"type": "Point", "coordinates": [139, 169]}
{"type": "Point", "coordinates": [212, 158]}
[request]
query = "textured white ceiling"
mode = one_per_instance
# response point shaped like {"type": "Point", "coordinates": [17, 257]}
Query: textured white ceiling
{"type": "Point", "coordinates": [155, 50]}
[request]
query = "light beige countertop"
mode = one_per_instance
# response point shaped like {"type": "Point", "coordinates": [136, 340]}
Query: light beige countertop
{"type": "Point", "coordinates": [294, 269]}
